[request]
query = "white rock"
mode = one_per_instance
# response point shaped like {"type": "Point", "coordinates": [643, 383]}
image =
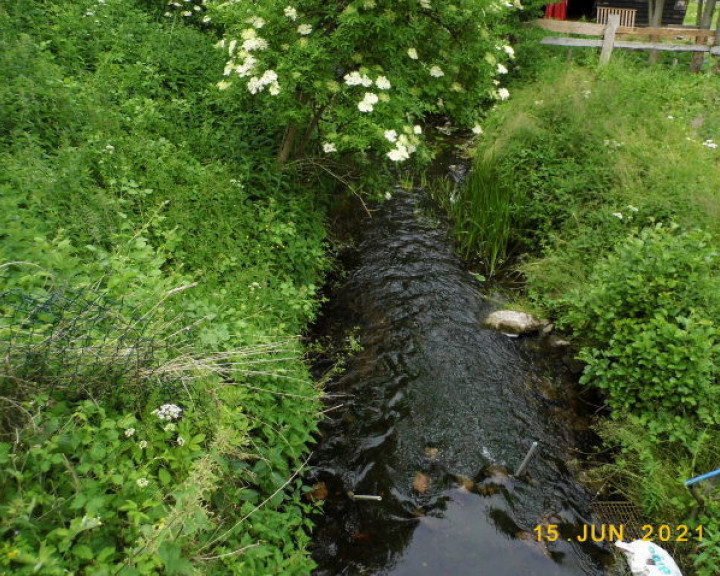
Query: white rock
{"type": "Point", "coordinates": [514, 322]}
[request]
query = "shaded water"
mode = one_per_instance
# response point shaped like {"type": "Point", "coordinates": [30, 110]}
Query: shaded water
{"type": "Point", "coordinates": [434, 410]}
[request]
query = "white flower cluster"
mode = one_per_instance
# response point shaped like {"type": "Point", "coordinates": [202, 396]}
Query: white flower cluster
{"type": "Point", "coordinates": [269, 78]}
{"type": "Point", "coordinates": [179, 7]}
{"type": "Point", "coordinates": [436, 72]}
{"type": "Point", "coordinates": [368, 102]}
{"type": "Point", "coordinates": [142, 482]}
{"type": "Point", "coordinates": [477, 129]}
{"type": "Point", "coordinates": [357, 79]}
{"type": "Point", "coordinates": [329, 147]}
{"type": "Point", "coordinates": [503, 93]}
{"type": "Point", "coordinates": [290, 12]}
{"type": "Point", "coordinates": [168, 412]}
{"type": "Point", "coordinates": [383, 83]}
{"type": "Point", "coordinates": [412, 53]}
{"type": "Point", "coordinates": [710, 144]}
{"type": "Point", "coordinates": [501, 69]}
{"type": "Point", "coordinates": [256, 22]}
{"type": "Point", "coordinates": [129, 432]}
{"type": "Point", "coordinates": [254, 44]}
{"type": "Point", "coordinates": [405, 144]}
{"type": "Point", "coordinates": [304, 29]}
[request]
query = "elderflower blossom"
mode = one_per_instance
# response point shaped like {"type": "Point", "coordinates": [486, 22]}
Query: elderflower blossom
{"type": "Point", "coordinates": [222, 85]}
{"type": "Point", "coordinates": [425, 4]}
{"type": "Point", "coordinates": [129, 432]}
{"type": "Point", "coordinates": [618, 215]}
{"type": "Point", "coordinates": [329, 147]}
{"type": "Point", "coordinates": [509, 51]}
{"type": "Point", "coordinates": [187, 13]}
{"type": "Point", "coordinates": [390, 135]}
{"type": "Point", "coordinates": [357, 79]}
{"type": "Point", "coordinates": [417, 129]}
{"type": "Point", "coordinates": [399, 154]}
{"type": "Point", "coordinates": [168, 412]}
{"type": "Point", "coordinates": [290, 12]}
{"type": "Point", "coordinates": [436, 72]}
{"type": "Point", "coordinates": [456, 87]}
{"type": "Point", "coordinates": [247, 67]}
{"type": "Point", "coordinates": [503, 93]}
{"type": "Point", "coordinates": [231, 47]}
{"type": "Point", "coordinates": [412, 53]}
{"type": "Point", "coordinates": [368, 102]}
{"type": "Point", "coordinates": [501, 69]}
{"type": "Point", "coordinates": [254, 44]}
{"type": "Point", "coordinates": [709, 144]}
{"type": "Point", "coordinates": [382, 83]}
{"type": "Point", "coordinates": [304, 29]}
{"type": "Point", "coordinates": [477, 129]}
{"type": "Point", "coordinates": [256, 22]}
{"type": "Point", "coordinates": [180, 441]}
{"type": "Point", "coordinates": [142, 482]}
{"type": "Point", "coordinates": [269, 78]}
{"type": "Point", "coordinates": [142, 444]}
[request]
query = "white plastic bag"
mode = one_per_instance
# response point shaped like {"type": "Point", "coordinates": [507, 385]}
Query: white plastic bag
{"type": "Point", "coordinates": [648, 559]}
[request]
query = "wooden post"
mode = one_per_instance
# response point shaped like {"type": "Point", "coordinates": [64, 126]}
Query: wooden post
{"type": "Point", "coordinates": [609, 38]}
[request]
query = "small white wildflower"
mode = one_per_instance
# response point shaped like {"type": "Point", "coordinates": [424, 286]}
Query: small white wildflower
{"type": "Point", "coordinates": [382, 83]}
{"type": "Point", "coordinates": [709, 144]}
{"type": "Point", "coordinates": [329, 147]}
{"type": "Point", "coordinates": [89, 14]}
{"type": "Point", "coordinates": [187, 13]}
{"type": "Point", "coordinates": [618, 215]}
{"type": "Point", "coordinates": [168, 412]}
{"type": "Point", "coordinates": [268, 77]}
{"type": "Point", "coordinates": [436, 72]}
{"type": "Point", "coordinates": [388, 196]}
{"type": "Point", "coordinates": [496, 82]}
{"type": "Point", "coordinates": [501, 69]}
{"type": "Point", "coordinates": [417, 129]}
{"type": "Point", "coordinates": [632, 208]}
{"type": "Point", "coordinates": [206, 19]}
{"type": "Point", "coordinates": [364, 106]}
{"type": "Point", "coordinates": [477, 129]}
{"type": "Point", "coordinates": [219, 44]}
{"type": "Point", "coordinates": [304, 29]}
{"type": "Point", "coordinates": [456, 87]}
{"type": "Point", "coordinates": [223, 85]}
{"type": "Point", "coordinates": [167, 15]}
{"type": "Point", "coordinates": [142, 482]}
{"type": "Point", "coordinates": [101, 2]}
{"type": "Point", "coordinates": [290, 12]}
{"type": "Point", "coordinates": [503, 93]}
{"type": "Point", "coordinates": [671, 117]}
{"type": "Point", "coordinates": [129, 432]}
{"type": "Point", "coordinates": [180, 441]}
{"type": "Point", "coordinates": [412, 53]}
{"type": "Point", "coordinates": [197, 8]}
{"type": "Point", "coordinates": [110, 148]}
{"type": "Point", "coordinates": [274, 89]}
{"type": "Point", "coordinates": [425, 4]}
{"type": "Point", "coordinates": [390, 135]}
{"type": "Point", "coordinates": [232, 46]}
{"type": "Point", "coordinates": [399, 154]}
{"type": "Point", "coordinates": [357, 79]}
{"type": "Point", "coordinates": [509, 51]}
{"type": "Point", "coordinates": [169, 427]}
{"type": "Point", "coordinates": [142, 444]}
{"type": "Point", "coordinates": [247, 67]}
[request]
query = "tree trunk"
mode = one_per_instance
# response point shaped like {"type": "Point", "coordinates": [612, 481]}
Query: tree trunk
{"type": "Point", "coordinates": [287, 145]}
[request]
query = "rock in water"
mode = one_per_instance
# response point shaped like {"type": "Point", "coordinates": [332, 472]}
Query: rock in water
{"type": "Point", "coordinates": [514, 322]}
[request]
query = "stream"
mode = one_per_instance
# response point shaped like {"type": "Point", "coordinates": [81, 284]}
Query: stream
{"type": "Point", "coordinates": [432, 413]}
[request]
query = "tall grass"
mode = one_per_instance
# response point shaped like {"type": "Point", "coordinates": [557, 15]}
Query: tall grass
{"type": "Point", "coordinates": [482, 215]}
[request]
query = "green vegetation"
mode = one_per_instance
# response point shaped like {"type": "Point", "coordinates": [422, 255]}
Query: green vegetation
{"type": "Point", "coordinates": [162, 233]}
{"type": "Point", "coordinates": [609, 179]}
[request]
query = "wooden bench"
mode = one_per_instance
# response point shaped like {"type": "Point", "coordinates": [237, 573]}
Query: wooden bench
{"type": "Point", "coordinates": [627, 15]}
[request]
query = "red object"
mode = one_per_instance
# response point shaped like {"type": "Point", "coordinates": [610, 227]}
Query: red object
{"type": "Point", "coordinates": [557, 11]}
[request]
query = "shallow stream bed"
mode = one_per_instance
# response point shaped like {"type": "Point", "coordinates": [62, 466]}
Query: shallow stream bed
{"type": "Point", "coordinates": [431, 415]}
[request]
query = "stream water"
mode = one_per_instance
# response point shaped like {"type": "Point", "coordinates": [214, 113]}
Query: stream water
{"type": "Point", "coordinates": [431, 414]}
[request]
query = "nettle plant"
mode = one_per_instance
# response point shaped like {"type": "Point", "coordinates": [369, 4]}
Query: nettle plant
{"type": "Point", "coordinates": [352, 76]}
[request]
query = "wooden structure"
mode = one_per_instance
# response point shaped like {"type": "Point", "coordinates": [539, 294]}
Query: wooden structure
{"type": "Point", "coordinates": [627, 15]}
{"type": "Point", "coordinates": [703, 39]}
{"type": "Point", "coordinates": [673, 11]}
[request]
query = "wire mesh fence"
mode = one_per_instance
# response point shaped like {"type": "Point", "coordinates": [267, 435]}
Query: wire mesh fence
{"type": "Point", "coordinates": [77, 341]}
